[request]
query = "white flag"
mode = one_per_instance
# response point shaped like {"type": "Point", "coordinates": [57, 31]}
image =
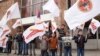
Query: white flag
{"type": "Point", "coordinates": [17, 23]}
{"type": "Point", "coordinates": [32, 32]}
{"type": "Point", "coordinates": [12, 13]}
{"type": "Point", "coordinates": [94, 25]}
{"type": "Point", "coordinates": [3, 39]}
{"type": "Point", "coordinates": [52, 8]}
{"type": "Point", "coordinates": [81, 12]}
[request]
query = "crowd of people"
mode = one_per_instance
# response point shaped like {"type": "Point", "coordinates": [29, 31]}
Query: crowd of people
{"type": "Point", "coordinates": [50, 44]}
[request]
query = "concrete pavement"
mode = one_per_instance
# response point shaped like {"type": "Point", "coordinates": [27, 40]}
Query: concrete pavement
{"type": "Point", "coordinates": [74, 53]}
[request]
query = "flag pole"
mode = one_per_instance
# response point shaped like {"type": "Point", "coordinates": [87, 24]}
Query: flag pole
{"type": "Point", "coordinates": [97, 34]}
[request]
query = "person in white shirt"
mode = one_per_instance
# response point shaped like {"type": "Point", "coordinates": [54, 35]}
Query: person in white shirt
{"type": "Point", "coordinates": [67, 45]}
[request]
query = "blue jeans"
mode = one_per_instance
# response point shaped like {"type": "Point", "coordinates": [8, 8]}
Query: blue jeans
{"type": "Point", "coordinates": [60, 47]}
{"type": "Point", "coordinates": [44, 53]}
{"type": "Point", "coordinates": [67, 51]}
{"type": "Point", "coordinates": [25, 48]}
{"type": "Point", "coordinates": [80, 51]}
{"type": "Point", "coordinates": [53, 52]}
{"type": "Point", "coordinates": [20, 47]}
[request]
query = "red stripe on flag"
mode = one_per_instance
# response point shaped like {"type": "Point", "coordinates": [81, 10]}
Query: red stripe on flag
{"type": "Point", "coordinates": [34, 31]}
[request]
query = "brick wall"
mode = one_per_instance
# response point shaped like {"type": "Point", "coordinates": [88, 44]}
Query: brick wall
{"type": "Point", "coordinates": [4, 5]}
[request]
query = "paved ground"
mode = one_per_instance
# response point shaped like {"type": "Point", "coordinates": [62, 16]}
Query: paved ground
{"type": "Point", "coordinates": [74, 53]}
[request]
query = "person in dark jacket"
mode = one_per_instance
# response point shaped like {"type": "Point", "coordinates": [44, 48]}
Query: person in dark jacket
{"type": "Point", "coordinates": [19, 39]}
{"type": "Point", "coordinates": [9, 43]}
{"type": "Point", "coordinates": [80, 40]}
{"type": "Point", "coordinates": [61, 34]}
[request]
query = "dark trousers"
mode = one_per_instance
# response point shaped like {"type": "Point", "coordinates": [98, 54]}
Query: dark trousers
{"type": "Point", "coordinates": [9, 46]}
{"type": "Point", "coordinates": [44, 53]}
{"type": "Point", "coordinates": [1, 49]}
{"type": "Point", "coordinates": [32, 49]}
{"type": "Point", "coordinates": [67, 51]}
{"type": "Point", "coordinates": [20, 47]}
{"type": "Point", "coordinates": [53, 52]}
{"type": "Point", "coordinates": [80, 51]}
{"type": "Point", "coordinates": [60, 49]}
{"type": "Point", "coordinates": [25, 48]}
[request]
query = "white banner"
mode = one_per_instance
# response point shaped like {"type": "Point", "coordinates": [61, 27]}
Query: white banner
{"type": "Point", "coordinates": [34, 19]}
{"type": "Point", "coordinates": [81, 12]}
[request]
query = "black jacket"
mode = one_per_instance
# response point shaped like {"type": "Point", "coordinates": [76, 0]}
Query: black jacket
{"type": "Point", "coordinates": [61, 33]}
{"type": "Point", "coordinates": [19, 38]}
{"type": "Point", "coordinates": [9, 42]}
{"type": "Point", "coordinates": [80, 41]}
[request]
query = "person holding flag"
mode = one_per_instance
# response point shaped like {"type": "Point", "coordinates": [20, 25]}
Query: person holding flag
{"type": "Point", "coordinates": [53, 44]}
{"type": "Point", "coordinates": [80, 40]}
{"type": "Point", "coordinates": [19, 40]}
{"type": "Point", "coordinates": [61, 34]}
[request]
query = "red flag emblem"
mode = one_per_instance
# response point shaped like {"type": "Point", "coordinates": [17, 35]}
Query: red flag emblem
{"type": "Point", "coordinates": [85, 5]}
{"type": "Point", "coordinates": [93, 26]}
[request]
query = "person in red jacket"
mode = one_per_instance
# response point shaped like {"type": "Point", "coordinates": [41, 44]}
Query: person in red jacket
{"type": "Point", "coordinates": [53, 43]}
